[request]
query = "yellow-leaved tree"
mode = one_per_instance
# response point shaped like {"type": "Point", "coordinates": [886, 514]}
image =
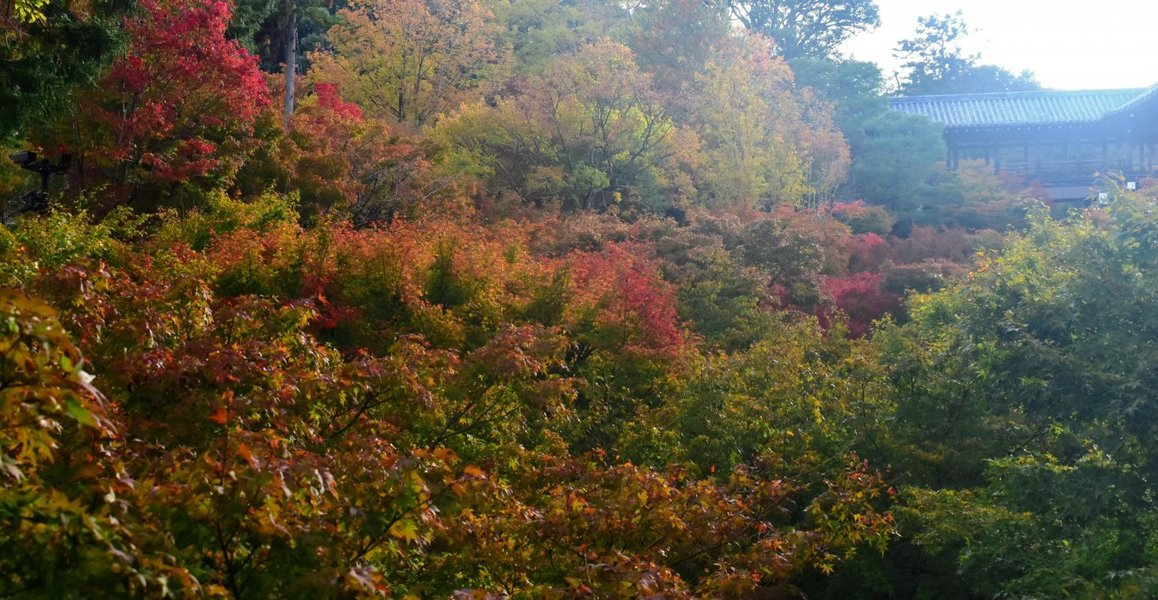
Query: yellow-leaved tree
{"type": "Point", "coordinates": [590, 133]}
{"type": "Point", "coordinates": [764, 141]}
{"type": "Point", "coordinates": [411, 60]}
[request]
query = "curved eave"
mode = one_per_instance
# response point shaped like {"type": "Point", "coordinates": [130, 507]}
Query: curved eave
{"type": "Point", "coordinates": [1150, 96]}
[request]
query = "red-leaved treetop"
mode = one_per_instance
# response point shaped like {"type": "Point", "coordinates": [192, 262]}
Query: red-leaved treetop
{"type": "Point", "coordinates": [180, 104]}
{"type": "Point", "coordinates": [634, 310]}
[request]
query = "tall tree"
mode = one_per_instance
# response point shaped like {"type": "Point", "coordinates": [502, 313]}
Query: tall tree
{"type": "Point", "coordinates": [540, 30]}
{"type": "Point", "coordinates": [291, 63]}
{"type": "Point", "coordinates": [279, 32]}
{"type": "Point", "coordinates": [47, 50]}
{"type": "Point", "coordinates": [937, 63]}
{"type": "Point", "coordinates": [590, 132]}
{"type": "Point", "coordinates": [702, 28]}
{"type": "Point", "coordinates": [806, 27]}
{"type": "Point", "coordinates": [179, 105]}
{"type": "Point", "coordinates": [411, 60]}
{"type": "Point", "coordinates": [897, 158]}
{"type": "Point", "coordinates": [765, 140]}
{"type": "Point", "coordinates": [336, 159]}
{"type": "Point", "coordinates": [853, 86]}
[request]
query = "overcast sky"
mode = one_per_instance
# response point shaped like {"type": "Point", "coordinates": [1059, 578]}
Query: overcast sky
{"type": "Point", "coordinates": [1068, 44]}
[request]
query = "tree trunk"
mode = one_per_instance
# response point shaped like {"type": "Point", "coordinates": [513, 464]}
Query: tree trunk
{"type": "Point", "coordinates": [291, 63]}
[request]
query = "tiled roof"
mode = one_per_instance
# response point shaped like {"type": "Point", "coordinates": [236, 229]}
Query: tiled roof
{"type": "Point", "coordinates": [1147, 96]}
{"type": "Point", "coordinates": [1039, 107]}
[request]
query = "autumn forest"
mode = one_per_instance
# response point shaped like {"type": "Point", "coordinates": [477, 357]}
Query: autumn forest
{"type": "Point", "coordinates": [549, 299]}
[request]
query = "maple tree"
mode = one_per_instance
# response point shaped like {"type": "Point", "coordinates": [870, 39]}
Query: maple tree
{"type": "Point", "coordinates": [530, 299]}
{"type": "Point", "coordinates": [589, 133]}
{"type": "Point", "coordinates": [246, 449]}
{"type": "Point", "coordinates": [702, 28]}
{"type": "Point", "coordinates": [178, 106]}
{"type": "Point", "coordinates": [340, 161]}
{"type": "Point", "coordinates": [538, 31]}
{"type": "Point", "coordinates": [54, 424]}
{"type": "Point", "coordinates": [860, 297]}
{"type": "Point", "coordinates": [411, 60]}
{"type": "Point", "coordinates": [629, 298]}
{"type": "Point", "coordinates": [763, 142]}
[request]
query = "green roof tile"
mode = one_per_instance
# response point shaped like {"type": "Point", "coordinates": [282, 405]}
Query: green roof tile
{"type": "Point", "coordinates": [1005, 109]}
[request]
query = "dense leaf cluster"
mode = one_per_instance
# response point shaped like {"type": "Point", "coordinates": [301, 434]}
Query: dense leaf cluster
{"type": "Point", "coordinates": [540, 299]}
{"type": "Point", "coordinates": [424, 408]}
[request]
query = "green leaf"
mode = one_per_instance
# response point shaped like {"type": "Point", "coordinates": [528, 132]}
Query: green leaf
{"type": "Point", "coordinates": [405, 529]}
{"type": "Point", "coordinates": [81, 414]}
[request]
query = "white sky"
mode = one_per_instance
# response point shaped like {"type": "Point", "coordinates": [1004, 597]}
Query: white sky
{"type": "Point", "coordinates": [1067, 44]}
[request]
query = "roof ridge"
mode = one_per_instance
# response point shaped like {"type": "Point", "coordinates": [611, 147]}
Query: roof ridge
{"type": "Point", "coordinates": [1022, 93]}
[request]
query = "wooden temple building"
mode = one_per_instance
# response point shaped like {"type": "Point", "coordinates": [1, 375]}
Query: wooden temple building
{"type": "Point", "coordinates": [1062, 140]}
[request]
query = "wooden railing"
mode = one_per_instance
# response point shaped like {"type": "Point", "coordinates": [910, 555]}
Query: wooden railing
{"type": "Point", "coordinates": [1065, 171]}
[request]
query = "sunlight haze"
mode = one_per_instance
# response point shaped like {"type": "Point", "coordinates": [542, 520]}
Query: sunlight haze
{"type": "Point", "coordinates": [1067, 45]}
